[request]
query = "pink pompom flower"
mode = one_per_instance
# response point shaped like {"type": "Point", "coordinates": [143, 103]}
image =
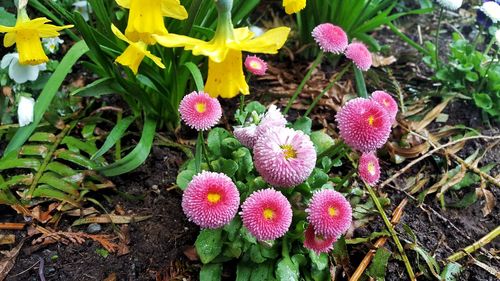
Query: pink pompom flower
{"type": "Point", "coordinates": [330, 213]}
{"type": "Point", "coordinates": [363, 124]}
{"type": "Point", "coordinates": [369, 168]}
{"type": "Point", "coordinates": [330, 38]}
{"type": "Point", "coordinates": [284, 157]}
{"type": "Point", "coordinates": [360, 56]}
{"type": "Point", "coordinates": [249, 134]}
{"type": "Point", "coordinates": [211, 200]}
{"type": "Point", "coordinates": [200, 111]}
{"type": "Point", "coordinates": [386, 100]}
{"type": "Point", "coordinates": [255, 65]}
{"type": "Point", "coordinates": [266, 214]}
{"type": "Point", "coordinates": [317, 243]}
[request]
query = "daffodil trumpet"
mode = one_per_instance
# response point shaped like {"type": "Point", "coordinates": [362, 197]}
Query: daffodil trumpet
{"type": "Point", "coordinates": [26, 34]}
{"type": "Point", "coordinates": [146, 17]}
{"type": "Point", "coordinates": [225, 68]}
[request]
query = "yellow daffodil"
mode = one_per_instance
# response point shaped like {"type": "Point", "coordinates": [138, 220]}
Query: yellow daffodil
{"type": "Point", "coordinates": [293, 6]}
{"type": "Point", "coordinates": [26, 35]}
{"type": "Point", "coordinates": [146, 17]}
{"type": "Point", "coordinates": [134, 53]}
{"type": "Point", "coordinates": [225, 68]}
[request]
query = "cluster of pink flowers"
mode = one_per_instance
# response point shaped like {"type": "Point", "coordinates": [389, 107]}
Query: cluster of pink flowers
{"type": "Point", "coordinates": [365, 125]}
{"type": "Point", "coordinates": [329, 216]}
{"type": "Point", "coordinates": [333, 39]}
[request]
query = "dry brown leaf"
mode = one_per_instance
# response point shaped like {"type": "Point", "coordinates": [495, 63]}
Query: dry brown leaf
{"type": "Point", "coordinates": [124, 237]}
{"type": "Point", "coordinates": [454, 180]}
{"type": "Point", "coordinates": [430, 116]}
{"type": "Point", "coordinates": [111, 218]}
{"type": "Point", "coordinates": [12, 225]}
{"type": "Point", "coordinates": [378, 60]}
{"type": "Point", "coordinates": [411, 152]}
{"type": "Point", "coordinates": [111, 277]}
{"type": "Point", "coordinates": [490, 201]}
{"type": "Point", "coordinates": [7, 239]}
{"type": "Point", "coordinates": [191, 254]}
{"type": "Point", "coordinates": [9, 259]}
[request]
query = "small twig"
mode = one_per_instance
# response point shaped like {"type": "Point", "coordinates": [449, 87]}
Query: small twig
{"type": "Point", "coordinates": [394, 235]}
{"type": "Point", "coordinates": [412, 163]}
{"type": "Point", "coordinates": [41, 269]}
{"type": "Point", "coordinates": [396, 216]}
{"type": "Point", "coordinates": [484, 175]}
{"type": "Point", "coordinates": [12, 225]}
{"type": "Point", "coordinates": [477, 245]}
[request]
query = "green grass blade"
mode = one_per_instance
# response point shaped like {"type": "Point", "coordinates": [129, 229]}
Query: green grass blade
{"type": "Point", "coordinates": [138, 155]}
{"type": "Point", "coordinates": [196, 73]}
{"type": "Point", "coordinates": [48, 93]}
{"type": "Point", "coordinates": [115, 135]}
{"type": "Point", "coordinates": [360, 82]}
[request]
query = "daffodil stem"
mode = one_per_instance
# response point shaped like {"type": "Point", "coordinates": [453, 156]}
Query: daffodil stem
{"type": "Point", "coordinates": [326, 89]}
{"type": "Point", "coordinates": [437, 36]}
{"type": "Point", "coordinates": [316, 62]}
{"type": "Point", "coordinates": [393, 233]}
{"type": "Point", "coordinates": [242, 103]}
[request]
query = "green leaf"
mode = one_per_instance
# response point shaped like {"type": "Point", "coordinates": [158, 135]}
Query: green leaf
{"type": "Point", "coordinates": [102, 252]}
{"type": "Point", "coordinates": [321, 141]}
{"type": "Point", "coordinates": [262, 271]}
{"type": "Point", "coordinates": [47, 94]}
{"type": "Point", "coordinates": [114, 136]}
{"type": "Point", "coordinates": [379, 264]}
{"type": "Point", "coordinates": [286, 270]}
{"type": "Point", "coordinates": [451, 271]}
{"type": "Point", "coordinates": [184, 177]}
{"type": "Point", "coordinates": [209, 244]}
{"type": "Point", "coordinates": [196, 74]}
{"type": "Point", "coordinates": [49, 192]}
{"type": "Point", "coordinates": [211, 272]}
{"type": "Point", "coordinates": [482, 100]}
{"type": "Point", "coordinates": [317, 178]}
{"type": "Point", "coordinates": [138, 155]}
{"type": "Point", "coordinates": [244, 271]}
{"type": "Point", "coordinates": [469, 199]}
{"type": "Point", "coordinates": [75, 158]}
{"type": "Point", "coordinates": [472, 76]}
{"type": "Point", "coordinates": [303, 124]}
{"type": "Point", "coordinates": [226, 166]}
{"type": "Point", "coordinates": [6, 18]}
{"type": "Point", "coordinates": [100, 87]}
{"type": "Point", "coordinates": [215, 138]}
{"type": "Point", "coordinates": [431, 262]}
{"type": "Point", "coordinates": [255, 254]}
{"type": "Point", "coordinates": [243, 158]}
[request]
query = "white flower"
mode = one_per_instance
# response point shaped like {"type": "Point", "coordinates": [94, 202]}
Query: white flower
{"type": "Point", "coordinates": [18, 72]}
{"type": "Point", "coordinates": [497, 37]}
{"type": "Point", "coordinates": [257, 31]}
{"type": "Point", "coordinates": [83, 8]}
{"type": "Point", "coordinates": [52, 43]}
{"type": "Point", "coordinates": [492, 10]}
{"type": "Point", "coordinates": [25, 110]}
{"type": "Point", "coordinates": [450, 4]}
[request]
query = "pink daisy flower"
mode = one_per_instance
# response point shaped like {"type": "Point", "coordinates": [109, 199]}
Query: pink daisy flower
{"type": "Point", "coordinates": [368, 168]}
{"type": "Point", "coordinates": [266, 214]}
{"type": "Point", "coordinates": [360, 56]}
{"type": "Point", "coordinates": [386, 100]}
{"type": "Point", "coordinates": [248, 135]}
{"type": "Point", "coordinates": [330, 38]}
{"type": "Point", "coordinates": [200, 111]}
{"type": "Point", "coordinates": [284, 157]}
{"type": "Point", "coordinates": [363, 124]}
{"type": "Point", "coordinates": [330, 213]}
{"type": "Point", "coordinates": [255, 65]}
{"type": "Point", "coordinates": [211, 200]}
{"type": "Point", "coordinates": [317, 243]}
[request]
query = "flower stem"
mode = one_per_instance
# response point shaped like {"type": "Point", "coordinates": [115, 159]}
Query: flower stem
{"type": "Point", "coordinates": [437, 37]}
{"type": "Point", "coordinates": [478, 244]}
{"type": "Point", "coordinates": [317, 61]}
{"type": "Point", "coordinates": [490, 64]}
{"type": "Point", "coordinates": [326, 89]}
{"type": "Point", "coordinates": [392, 231]}
{"type": "Point", "coordinates": [205, 151]}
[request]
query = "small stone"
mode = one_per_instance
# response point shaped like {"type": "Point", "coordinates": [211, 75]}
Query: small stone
{"type": "Point", "coordinates": [94, 228]}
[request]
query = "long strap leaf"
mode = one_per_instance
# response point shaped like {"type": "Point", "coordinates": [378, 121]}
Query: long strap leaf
{"type": "Point", "coordinates": [138, 155]}
{"type": "Point", "coordinates": [48, 93]}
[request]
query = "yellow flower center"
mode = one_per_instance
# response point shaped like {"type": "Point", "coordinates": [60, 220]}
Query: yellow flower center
{"type": "Point", "coordinates": [200, 107]}
{"type": "Point", "coordinates": [255, 64]}
{"type": "Point", "coordinates": [371, 119]}
{"type": "Point", "coordinates": [371, 168]}
{"type": "Point", "coordinates": [213, 197]}
{"type": "Point", "coordinates": [268, 214]}
{"type": "Point", "coordinates": [332, 212]}
{"type": "Point", "coordinates": [288, 151]}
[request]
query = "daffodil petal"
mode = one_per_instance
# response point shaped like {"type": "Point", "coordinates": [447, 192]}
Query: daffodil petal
{"type": "Point", "coordinates": [50, 30]}
{"type": "Point", "coordinates": [268, 43]}
{"type": "Point", "coordinates": [173, 9]}
{"type": "Point", "coordinates": [226, 79]}
{"type": "Point", "coordinates": [155, 59]}
{"type": "Point", "coordinates": [123, 3]}
{"type": "Point", "coordinates": [293, 6]}
{"type": "Point", "coordinates": [119, 34]}
{"type": "Point", "coordinates": [243, 33]}
{"type": "Point", "coordinates": [4, 28]}
{"type": "Point", "coordinates": [172, 40]}
{"type": "Point", "coordinates": [9, 39]}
